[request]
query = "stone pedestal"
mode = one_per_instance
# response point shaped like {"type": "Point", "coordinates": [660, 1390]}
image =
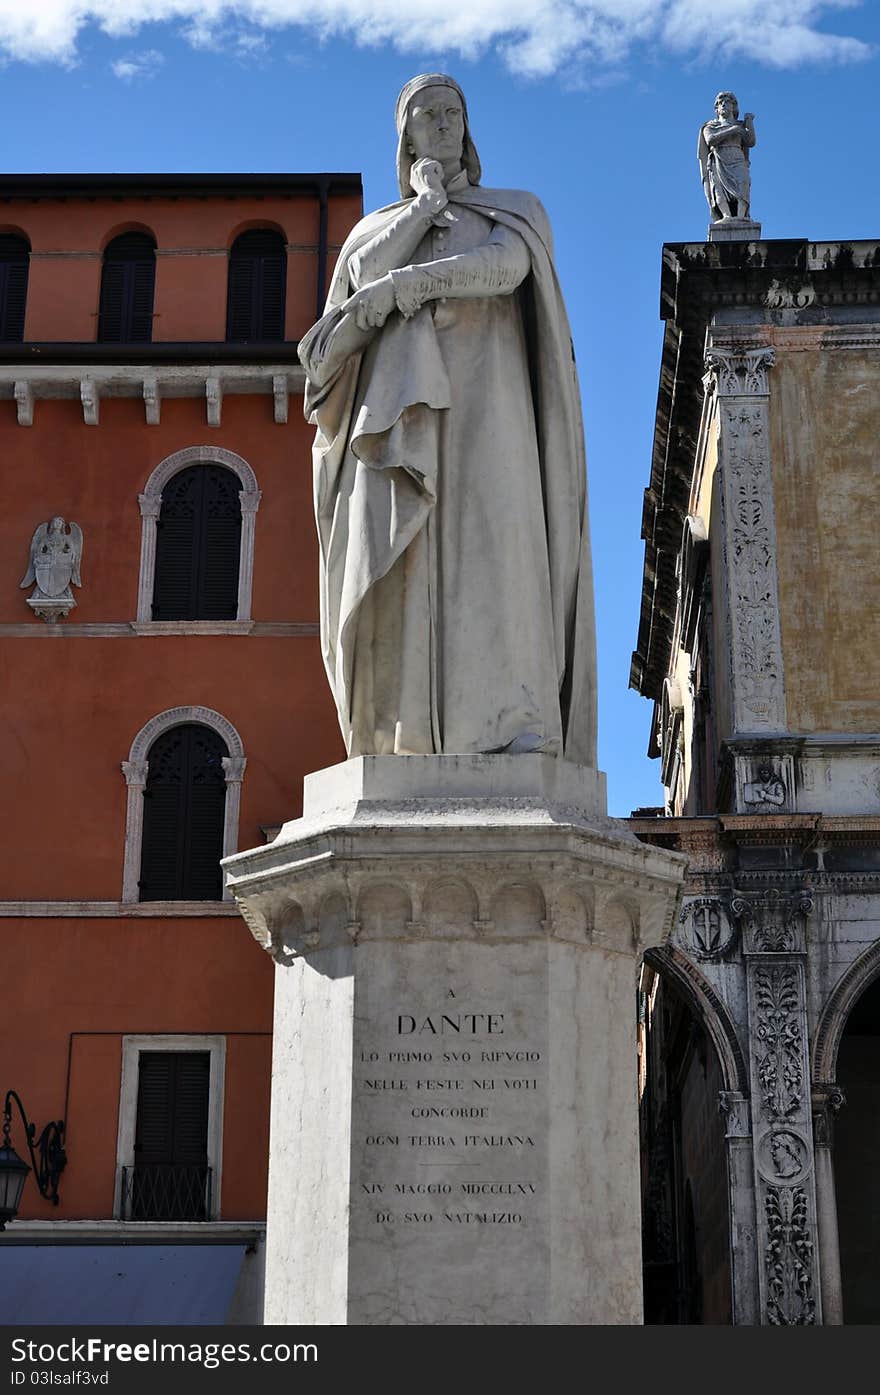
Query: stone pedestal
{"type": "Point", "coordinates": [454, 1108]}
{"type": "Point", "coordinates": [735, 230]}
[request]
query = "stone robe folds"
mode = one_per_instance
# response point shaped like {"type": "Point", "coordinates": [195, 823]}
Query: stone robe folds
{"type": "Point", "coordinates": [450, 494]}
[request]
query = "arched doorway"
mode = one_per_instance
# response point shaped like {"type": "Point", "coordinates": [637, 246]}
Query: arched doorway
{"type": "Point", "coordinates": [857, 1159]}
{"type": "Point", "coordinates": [686, 1223]}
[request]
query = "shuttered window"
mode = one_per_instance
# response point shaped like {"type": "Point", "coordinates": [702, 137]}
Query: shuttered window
{"type": "Point", "coordinates": [127, 281]}
{"type": "Point", "coordinates": [169, 1180]}
{"type": "Point", "coordinates": [198, 545]}
{"type": "Point", "coordinates": [14, 266]}
{"type": "Point", "coordinates": [257, 285]}
{"type": "Point", "coordinates": [184, 813]}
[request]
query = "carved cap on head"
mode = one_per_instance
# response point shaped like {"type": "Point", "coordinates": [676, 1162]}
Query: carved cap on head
{"type": "Point", "coordinates": [732, 97]}
{"type": "Point", "coordinates": [469, 158]}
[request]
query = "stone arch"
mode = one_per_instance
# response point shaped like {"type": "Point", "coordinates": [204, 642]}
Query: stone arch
{"type": "Point", "coordinates": [709, 1011]}
{"type": "Point", "coordinates": [833, 1018]}
{"type": "Point", "coordinates": [518, 908]}
{"type": "Point", "coordinates": [150, 502]}
{"type": "Point", "coordinates": [135, 770]}
{"type": "Point", "coordinates": [384, 910]}
{"type": "Point", "coordinates": [450, 905]}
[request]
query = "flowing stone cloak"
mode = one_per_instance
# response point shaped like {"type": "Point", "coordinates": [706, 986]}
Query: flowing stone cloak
{"type": "Point", "coordinates": [725, 165]}
{"type": "Point", "coordinates": [378, 400]}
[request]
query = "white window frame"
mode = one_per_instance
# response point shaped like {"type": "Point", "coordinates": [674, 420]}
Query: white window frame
{"type": "Point", "coordinates": [150, 504]}
{"type": "Point", "coordinates": [135, 770]}
{"type": "Point", "coordinates": [132, 1046]}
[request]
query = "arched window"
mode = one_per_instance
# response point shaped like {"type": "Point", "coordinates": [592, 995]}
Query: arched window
{"type": "Point", "coordinates": [198, 546]}
{"type": "Point", "coordinates": [257, 285]}
{"type": "Point", "coordinates": [151, 505]}
{"type": "Point", "coordinates": [127, 282]}
{"type": "Point", "coordinates": [184, 774]}
{"type": "Point", "coordinates": [184, 812]}
{"type": "Point", "coordinates": [14, 265]}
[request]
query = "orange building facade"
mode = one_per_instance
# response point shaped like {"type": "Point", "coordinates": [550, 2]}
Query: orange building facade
{"type": "Point", "coordinates": [138, 1009]}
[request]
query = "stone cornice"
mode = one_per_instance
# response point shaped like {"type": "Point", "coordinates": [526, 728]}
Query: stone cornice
{"type": "Point", "coordinates": [29, 383]}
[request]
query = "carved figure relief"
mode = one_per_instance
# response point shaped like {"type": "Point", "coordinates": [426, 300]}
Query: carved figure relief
{"type": "Point", "coordinates": [768, 789]}
{"type": "Point", "coordinates": [780, 1042]}
{"type": "Point", "coordinates": [789, 1258]}
{"type": "Point", "coordinates": [783, 1157]}
{"type": "Point", "coordinates": [56, 550]}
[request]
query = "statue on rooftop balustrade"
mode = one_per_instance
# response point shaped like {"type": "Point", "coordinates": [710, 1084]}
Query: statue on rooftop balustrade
{"type": "Point", "coordinates": [450, 480]}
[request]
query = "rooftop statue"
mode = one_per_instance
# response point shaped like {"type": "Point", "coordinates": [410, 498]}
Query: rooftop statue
{"type": "Point", "coordinates": [723, 152]}
{"type": "Point", "coordinates": [450, 481]}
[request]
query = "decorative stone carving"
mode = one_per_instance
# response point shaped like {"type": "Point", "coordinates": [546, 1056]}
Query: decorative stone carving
{"type": "Point", "coordinates": [213, 400]}
{"type": "Point", "coordinates": [768, 791]}
{"type": "Point", "coordinates": [783, 1156]}
{"type": "Point", "coordinates": [710, 933]}
{"type": "Point", "coordinates": [779, 1040]}
{"type": "Point", "coordinates": [781, 297]}
{"type": "Point", "coordinates": [90, 399]}
{"type": "Point", "coordinates": [24, 402]}
{"type": "Point", "coordinates": [280, 394]}
{"type": "Point", "coordinates": [773, 921]}
{"type": "Point", "coordinates": [789, 1258]}
{"type": "Point", "coordinates": [152, 400]}
{"type": "Point", "coordinates": [735, 1108]}
{"type": "Point", "coordinates": [740, 381]}
{"type": "Point", "coordinates": [56, 550]}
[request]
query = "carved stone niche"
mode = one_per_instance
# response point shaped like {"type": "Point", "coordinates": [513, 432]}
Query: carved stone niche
{"type": "Point", "coordinates": [764, 783]}
{"type": "Point", "coordinates": [708, 930]}
{"type": "Point", "coordinates": [773, 922]}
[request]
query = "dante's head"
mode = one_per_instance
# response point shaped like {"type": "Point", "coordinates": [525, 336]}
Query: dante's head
{"type": "Point", "coordinates": [432, 123]}
{"type": "Point", "coordinates": [726, 106]}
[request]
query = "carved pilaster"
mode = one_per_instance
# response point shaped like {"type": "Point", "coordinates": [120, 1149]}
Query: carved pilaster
{"type": "Point", "coordinates": [739, 380]}
{"type": "Point", "coordinates": [782, 1140]}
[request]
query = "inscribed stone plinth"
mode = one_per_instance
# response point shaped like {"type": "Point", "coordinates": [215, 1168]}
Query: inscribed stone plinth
{"type": "Point", "coordinates": [454, 1120]}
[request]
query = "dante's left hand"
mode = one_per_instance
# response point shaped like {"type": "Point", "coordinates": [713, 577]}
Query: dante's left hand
{"type": "Point", "coordinates": [373, 303]}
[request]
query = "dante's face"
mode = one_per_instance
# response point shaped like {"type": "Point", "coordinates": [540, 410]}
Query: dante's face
{"type": "Point", "coordinates": [726, 108]}
{"type": "Point", "coordinates": [435, 124]}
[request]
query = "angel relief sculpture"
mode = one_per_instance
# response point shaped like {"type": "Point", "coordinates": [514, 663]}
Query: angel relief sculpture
{"type": "Point", "coordinates": [56, 549]}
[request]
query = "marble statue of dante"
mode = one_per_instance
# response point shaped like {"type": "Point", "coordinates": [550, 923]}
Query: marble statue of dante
{"type": "Point", "coordinates": [723, 152]}
{"type": "Point", "coordinates": [450, 481]}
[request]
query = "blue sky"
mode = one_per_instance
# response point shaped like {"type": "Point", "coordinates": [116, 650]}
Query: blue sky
{"type": "Point", "coordinates": [592, 104]}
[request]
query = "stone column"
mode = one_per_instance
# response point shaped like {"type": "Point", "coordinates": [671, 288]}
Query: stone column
{"type": "Point", "coordinates": [741, 1206]}
{"type": "Point", "coordinates": [454, 1113]}
{"type": "Point", "coordinates": [827, 1101]}
{"type": "Point", "coordinates": [739, 377]}
{"type": "Point", "coordinates": [785, 1191]}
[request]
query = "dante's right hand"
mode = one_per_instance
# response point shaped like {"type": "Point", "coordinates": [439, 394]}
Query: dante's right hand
{"type": "Point", "coordinates": [426, 177]}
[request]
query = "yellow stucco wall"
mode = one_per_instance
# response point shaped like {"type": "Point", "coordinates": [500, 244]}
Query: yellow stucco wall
{"type": "Point", "coordinates": [825, 434]}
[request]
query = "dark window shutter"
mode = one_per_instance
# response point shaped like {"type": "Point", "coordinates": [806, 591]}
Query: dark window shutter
{"type": "Point", "coordinates": [198, 546]}
{"type": "Point", "coordinates": [184, 813]}
{"type": "Point", "coordinates": [257, 287]}
{"type": "Point", "coordinates": [172, 1107]}
{"type": "Point", "coordinates": [127, 284]}
{"type": "Point", "coordinates": [14, 267]}
{"type": "Point", "coordinates": [170, 1171]}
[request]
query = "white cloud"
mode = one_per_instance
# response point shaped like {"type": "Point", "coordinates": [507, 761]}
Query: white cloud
{"type": "Point", "coordinates": [145, 64]}
{"type": "Point", "coordinates": [535, 37]}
